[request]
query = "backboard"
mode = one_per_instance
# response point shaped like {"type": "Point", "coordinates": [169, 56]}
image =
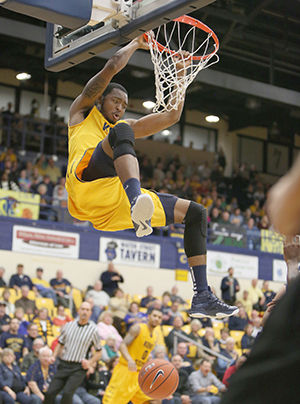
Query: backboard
{"type": "Point", "coordinates": [110, 26]}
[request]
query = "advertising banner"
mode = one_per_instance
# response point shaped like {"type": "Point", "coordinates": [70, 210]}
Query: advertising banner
{"type": "Point", "coordinates": [129, 252]}
{"type": "Point", "coordinates": [45, 242]}
{"type": "Point", "coordinates": [271, 242]}
{"type": "Point", "coordinates": [245, 266]}
{"type": "Point", "coordinates": [228, 235]}
{"type": "Point", "coordinates": [19, 204]}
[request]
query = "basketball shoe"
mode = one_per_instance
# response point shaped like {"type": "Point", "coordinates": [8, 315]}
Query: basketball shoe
{"type": "Point", "coordinates": [141, 213]}
{"type": "Point", "coordinates": [206, 304]}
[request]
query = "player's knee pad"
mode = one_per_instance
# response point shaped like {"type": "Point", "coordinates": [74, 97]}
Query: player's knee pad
{"type": "Point", "coordinates": [121, 140]}
{"type": "Point", "coordinates": [195, 230]}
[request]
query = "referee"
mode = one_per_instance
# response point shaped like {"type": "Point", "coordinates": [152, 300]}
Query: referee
{"type": "Point", "coordinates": [73, 348]}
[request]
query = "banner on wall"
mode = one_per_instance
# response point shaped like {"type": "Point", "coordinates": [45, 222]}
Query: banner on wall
{"type": "Point", "coordinates": [228, 235]}
{"type": "Point", "coordinates": [279, 271]}
{"type": "Point", "coordinates": [45, 242]}
{"type": "Point", "coordinates": [129, 252]}
{"type": "Point", "coordinates": [19, 204]}
{"type": "Point", "coordinates": [271, 242]}
{"type": "Point", "coordinates": [245, 266]}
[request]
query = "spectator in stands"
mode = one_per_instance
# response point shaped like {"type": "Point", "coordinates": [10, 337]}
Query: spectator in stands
{"type": "Point", "coordinates": [183, 392]}
{"type": "Point", "coordinates": [236, 218]}
{"type": "Point", "coordinates": [100, 297]}
{"type": "Point", "coordinates": [61, 317]}
{"type": "Point", "coordinates": [224, 335]}
{"type": "Point", "coordinates": [169, 339]}
{"type": "Point", "coordinates": [173, 312]}
{"type": "Point", "coordinates": [232, 369]}
{"type": "Point", "coordinates": [61, 287]}
{"type": "Point", "coordinates": [229, 287]}
{"type": "Point", "coordinates": [182, 351]}
{"type": "Point", "coordinates": [205, 384]}
{"type": "Point", "coordinates": [4, 318]}
{"type": "Point", "coordinates": [255, 292]}
{"type": "Point", "coordinates": [32, 356]}
{"type": "Point", "coordinates": [247, 340]}
{"type": "Point", "coordinates": [98, 381]}
{"type": "Point", "coordinates": [43, 287]}
{"type": "Point", "coordinates": [105, 327]}
{"type": "Point", "coordinates": [32, 334]}
{"type": "Point", "coordinates": [160, 352]}
{"type": "Point", "coordinates": [41, 373]}
{"type": "Point", "coordinates": [268, 293]}
{"type": "Point", "coordinates": [20, 315]}
{"type": "Point", "coordinates": [109, 350]}
{"type": "Point", "coordinates": [257, 328]}
{"type": "Point", "coordinates": [118, 306]}
{"type": "Point", "coordinates": [49, 186]}
{"type": "Point", "coordinates": [149, 298]}
{"type": "Point", "coordinates": [12, 384]}
{"type": "Point", "coordinates": [28, 305]}
{"type": "Point", "coordinates": [111, 279]}
{"type": "Point", "coordinates": [214, 215]}
{"type": "Point", "coordinates": [210, 341]}
{"type": "Point", "coordinates": [6, 183]}
{"type": "Point", "coordinates": [52, 170]}
{"type": "Point", "coordinates": [194, 335]}
{"type": "Point", "coordinates": [166, 301]}
{"type": "Point", "coordinates": [56, 193]}
{"type": "Point", "coordinates": [134, 315]}
{"type": "Point", "coordinates": [19, 279]}
{"type": "Point", "coordinates": [46, 212]}
{"type": "Point", "coordinates": [10, 307]}
{"type": "Point", "coordinates": [264, 224]}
{"type": "Point", "coordinates": [96, 311]}
{"type": "Point", "coordinates": [2, 281]}
{"type": "Point", "coordinates": [230, 353]}
{"type": "Point", "coordinates": [24, 182]}
{"type": "Point", "coordinates": [246, 301]}
{"type": "Point", "coordinates": [12, 339]}
{"type": "Point", "coordinates": [175, 297]}
{"type": "Point", "coordinates": [225, 216]}
{"type": "Point", "coordinates": [44, 324]}
{"type": "Point", "coordinates": [238, 321]}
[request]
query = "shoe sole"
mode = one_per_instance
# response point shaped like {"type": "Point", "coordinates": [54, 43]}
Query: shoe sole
{"type": "Point", "coordinates": [141, 212]}
{"type": "Point", "coordinates": [218, 315]}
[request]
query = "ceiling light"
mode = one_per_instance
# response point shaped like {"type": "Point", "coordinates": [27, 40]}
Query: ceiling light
{"type": "Point", "coordinates": [212, 118]}
{"type": "Point", "coordinates": [166, 132]}
{"type": "Point", "coordinates": [148, 104]}
{"type": "Point", "coordinates": [23, 76]}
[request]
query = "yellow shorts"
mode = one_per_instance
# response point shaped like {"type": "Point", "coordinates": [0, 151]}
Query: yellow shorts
{"type": "Point", "coordinates": [123, 387]}
{"type": "Point", "coordinates": [104, 203]}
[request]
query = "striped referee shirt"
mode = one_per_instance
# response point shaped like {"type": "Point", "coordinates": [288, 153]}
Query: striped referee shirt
{"type": "Point", "coordinates": [78, 340]}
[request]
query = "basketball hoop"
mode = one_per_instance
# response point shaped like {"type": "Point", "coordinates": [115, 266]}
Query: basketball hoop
{"type": "Point", "coordinates": [167, 45]}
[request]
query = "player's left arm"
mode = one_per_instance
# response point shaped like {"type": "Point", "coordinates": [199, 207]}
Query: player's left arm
{"type": "Point", "coordinates": [129, 338]}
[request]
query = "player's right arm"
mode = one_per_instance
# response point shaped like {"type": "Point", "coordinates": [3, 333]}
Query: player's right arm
{"type": "Point", "coordinates": [129, 338]}
{"type": "Point", "coordinates": [97, 84]}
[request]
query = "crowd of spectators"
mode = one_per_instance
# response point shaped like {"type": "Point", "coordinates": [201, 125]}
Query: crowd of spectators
{"type": "Point", "coordinates": [237, 200]}
{"type": "Point", "coordinates": [29, 328]}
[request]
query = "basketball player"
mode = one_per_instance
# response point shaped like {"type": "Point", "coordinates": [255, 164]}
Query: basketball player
{"type": "Point", "coordinates": [103, 180]}
{"type": "Point", "coordinates": [135, 349]}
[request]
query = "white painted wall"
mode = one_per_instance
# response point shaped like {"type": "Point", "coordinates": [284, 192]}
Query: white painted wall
{"type": "Point", "coordinates": [25, 104]}
{"type": "Point", "coordinates": [84, 272]}
{"type": "Point", "coordinates": [7, 94]}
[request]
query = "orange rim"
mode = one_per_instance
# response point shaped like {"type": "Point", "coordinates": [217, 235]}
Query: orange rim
{"type": "Point", "coordinates": [186, 19]}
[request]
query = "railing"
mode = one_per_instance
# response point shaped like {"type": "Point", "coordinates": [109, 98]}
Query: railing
{"type": "Point", "coordinates": [29, 133]}
{"type": "Point", "coordinates": [198, 344]}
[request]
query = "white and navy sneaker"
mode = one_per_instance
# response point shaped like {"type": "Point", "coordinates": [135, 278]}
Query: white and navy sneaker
{"type": "Point", "coordinates": [206, 304]}
{"type": "Point", "coordinates": [141, 213]}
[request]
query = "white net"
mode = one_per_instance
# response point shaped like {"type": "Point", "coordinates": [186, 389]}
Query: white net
{"type": "Point", "coordinates": [178, 52]}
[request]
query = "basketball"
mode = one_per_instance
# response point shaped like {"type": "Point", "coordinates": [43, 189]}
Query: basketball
{"type": "Point", "coordinates": [158, 379]}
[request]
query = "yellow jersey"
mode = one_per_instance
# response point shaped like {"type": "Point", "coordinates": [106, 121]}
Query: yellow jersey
{"type": "Point", "coordinates": [141, 347]}
{"type": "Point", "coordinates": [103, 202]}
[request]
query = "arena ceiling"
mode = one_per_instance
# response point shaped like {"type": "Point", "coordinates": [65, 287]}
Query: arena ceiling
{"type": "Point", "coordinates": [259, 40]}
